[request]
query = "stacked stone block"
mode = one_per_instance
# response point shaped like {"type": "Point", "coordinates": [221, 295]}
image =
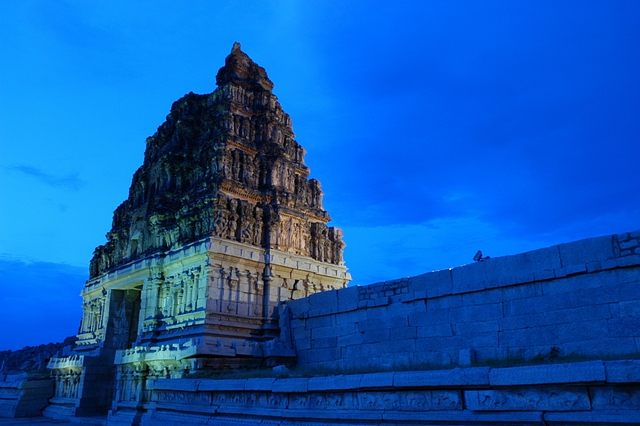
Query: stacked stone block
{"type": "Point", "coordinates": [22, 395]}
{"type": "Point", "coordinates": [593, 392]}
{"type": "Point", "coordinates": [571, 301]}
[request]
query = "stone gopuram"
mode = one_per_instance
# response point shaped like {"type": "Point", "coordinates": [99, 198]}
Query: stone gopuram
{"type": "Point", "coordinates": [221, 224]}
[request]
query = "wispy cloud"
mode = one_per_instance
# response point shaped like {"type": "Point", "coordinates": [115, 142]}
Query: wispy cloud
{"type": "Point", "coordinates": [70, 181]}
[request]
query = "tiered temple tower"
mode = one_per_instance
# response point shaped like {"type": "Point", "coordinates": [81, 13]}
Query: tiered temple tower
{"type": "Point", "coordinates": [221, 225]}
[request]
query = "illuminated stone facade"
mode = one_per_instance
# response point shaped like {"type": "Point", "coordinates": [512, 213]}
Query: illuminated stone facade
{"type": "Point", "coordinates": [220, 226]}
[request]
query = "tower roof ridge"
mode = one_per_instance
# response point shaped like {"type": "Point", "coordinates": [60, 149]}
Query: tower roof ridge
{"type": "Point", "coordinates": [240, 69]}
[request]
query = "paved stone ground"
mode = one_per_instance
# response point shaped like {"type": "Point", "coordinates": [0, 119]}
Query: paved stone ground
{"type": "Point", "coordinates": [47, 421]}
{"type": "Point", "coordinates": [31, 421]}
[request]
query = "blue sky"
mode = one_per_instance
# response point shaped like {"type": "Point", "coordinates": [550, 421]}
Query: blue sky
{"type": "Point", "coordinates": [435, 128]}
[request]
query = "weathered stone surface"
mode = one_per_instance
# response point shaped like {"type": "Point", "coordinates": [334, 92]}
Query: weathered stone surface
{"type": "Point", "coordinates": [24, 395]}
{"type": "Point", "coordinates": [625, 371]}
{"type": "Point", "coordinates": [224, 164]}
{"type": "Point", "coordinates": [579, 372]}
{"type": "Point", "coordinates": [454, 377]}
{"type": "Point", "coordinates": [619, 397]}
{"type": "Point", "coordinates": [529, 399]}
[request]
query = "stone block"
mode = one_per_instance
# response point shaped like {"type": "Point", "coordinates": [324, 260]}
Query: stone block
{"type": "Point", "coordinates": [190, 385]}
{"type": "Point", "coordinates": [319, 321]}
{"type": "Point", "coordinates": [523, 264]}
{"type": "Point", "coordinates": [574, 315]}
{"type": "Point", "coordinates": [630, 308]}
{"type": "Point", "coordinates": [462, 328]}
{"type": "Point", "coordinates": [476, 313]}
{"type": "Point", "coordinates": [430, 280]}
{"type": "Point", "coordinates": [325, 342]}
{"type": "Point", "coordinates": [360, 356]}
{"type": "Point", "coordinates": [609, 264]}
{"type": "Point", "coordinates": [623, 237]}
{"type": "Point", "coordinates": [618, 397]}
{"type": "Point", "coordinates": [465, 276]}
{"type": "Point", "coordinates": [351, 317]}
{"type": "Point", "coordinates": [323, 354]}
{"type": "Point", "coordinates": [478, 376]}
{"type": "Point", "coordinates": [539, 336]}
{"type": "Point", "coordinates": [524, 291]}
{"type": "Point", "coordinates": [477, 298]}
{"type": "Point", "coordinates": [403, 333]}
{"type": "Point", "coordinates": [350, 339]}
{"type": "Point", "coordinates": [431, 358]}
{"type": "Point", "coordinates": [434, 344]}
{"type": "Point", "coordinates": [259, 384]}
{"type": "Point", "coordinates": [627, 261]}
{"type": "Point", "coordinates": [300, 332]}
{"type": "Point", "coordinates": [302, 344]}
{"type": "Point", "coordinates": [381, 301]}
{"type": "Point", "coordinates": [575, 269]}
{"type": "Point", "coordinates": [332, 331]}
{"type": "Point", "coordinates": [376, 335]}
{"type": "Point", "coordinates": [579, 372]}
{"type": "Point", "coordinates": [609, 417]}
{"type": "Point", "coordinates": [348, 299]}
{"type": "Point", "coordinates": [523, 278]}
{"type": "Point", "coordinates": [625, 371]}
{"type": "Point", "coordinates": [396, 346]}
{"type": "Point", "coordinates": [218, 385]}
{"type": "Point", "coordinates": [602, 347]}
{"type": "Point", "coordinates": [445, 302]}
{"type": "Point", "coordinates": [624, 327]}
{"type": "Point", "coordinates": [290, 385]}
{"type": "Point", "coordinates": [376, 380]}
{"type": "Point", "coordinates": [299, 308]}
{"type": "Point", "coordinates": [466, 357]}
{"type": "Point", "coordinates": [479, 285]}
{"type": "Point", "coordinates": [464, 417]}
{"type": "Point", "coordinates": [436, 330]}
{"type": "Point", "coordinates": [551, 398]}
{"type": "Point", "coordinates": [560, 273]}
{"type": "Point", "coordinates": [480, 340]}
{"type": "Point", "coordinates": [413, 296]}
{"type": "Point", "coordinates": [334, 383]}
{"type": "Point", "coordinates": [324, 298]}
{"type": "Point", "coordinates": [581, 330]}
{"type": "Point", "coordinates": [539, 304]}
{"type": "Point", "coordinates": [594, 266]}
{"type": "Point", "coordinates": [614, 287]}
{"type": "Point", "coordinates": [583, 251]}
{"type": "Point", "coordinates": [514, 322]}
{"type": "Point", "coordinates": [376, 324]}
{"type": "Point", "coordinates": [543, 275]}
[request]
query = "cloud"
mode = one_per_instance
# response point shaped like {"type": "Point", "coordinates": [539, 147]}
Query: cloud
{"type": "Point", "coordinates": [70, 181]}
{"type": "Point", "coordinates": [40, 302]}
{"type": "Point", "coordinates": [531, 117]}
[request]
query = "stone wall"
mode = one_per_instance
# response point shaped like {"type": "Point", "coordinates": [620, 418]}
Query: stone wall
{"type": "Point", "coordinates": [594, 392]}
{"type": "Point", "coordinates": [24, 395]}
{"type": "Point", "coordinates": [580, 299]}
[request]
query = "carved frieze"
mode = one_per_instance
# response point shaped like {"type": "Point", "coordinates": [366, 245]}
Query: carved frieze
{"type": "Point", "coordinates": [547, 399]}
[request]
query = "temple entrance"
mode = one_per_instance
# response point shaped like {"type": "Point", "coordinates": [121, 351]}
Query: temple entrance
{"type": "Point", "coordinates": [124, 314]}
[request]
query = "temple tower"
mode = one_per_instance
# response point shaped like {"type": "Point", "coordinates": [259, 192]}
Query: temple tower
{"type": "Point", "coordinates": [221, 225]}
